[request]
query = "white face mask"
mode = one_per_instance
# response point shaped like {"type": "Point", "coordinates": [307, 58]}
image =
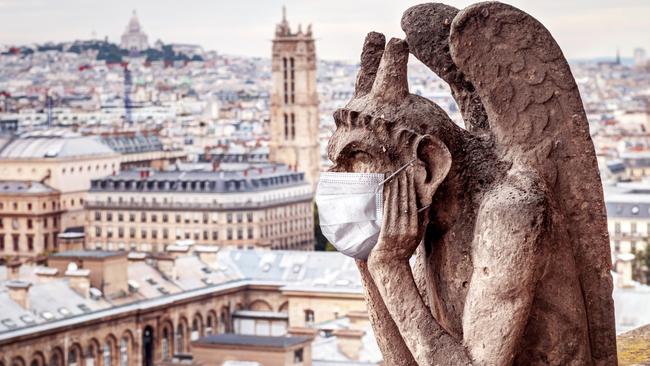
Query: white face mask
{"type": "Point", "coordinates": [350, 209]}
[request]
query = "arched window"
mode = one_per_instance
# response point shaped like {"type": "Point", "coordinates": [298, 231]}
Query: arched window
{"type": "Point", "coordinates": [72, 357]}
{"type": "Point", "coordinates": [55, 360]}
{"type": "Point", "coordinates": [107, 355]}
{"type": "Point", "coordinates": [91, 355]}
{"type": "Point", "coordinates": [165, 344]}
{"type": "Point", "coordinates": [208, 324]}
{"type": "Point", "coordinates": [195, 329]}
{"type": "Point", "coordinates": [286, 126]}
{"type": "Point", "coordinates": [180, 337]}
{"type": "Point", "coordinates": [124, 351]}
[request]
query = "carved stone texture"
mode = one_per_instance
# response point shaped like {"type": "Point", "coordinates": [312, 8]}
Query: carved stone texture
{"type": "Point", "coordinates": [512, 254]}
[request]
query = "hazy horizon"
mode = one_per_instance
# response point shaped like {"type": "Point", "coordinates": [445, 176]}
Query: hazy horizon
{"type": "Point", "coordinates": [584, 29]}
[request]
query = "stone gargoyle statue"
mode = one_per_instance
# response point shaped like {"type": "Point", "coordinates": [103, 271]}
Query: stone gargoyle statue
{"type": "Point", "coordinates": [505, 217]}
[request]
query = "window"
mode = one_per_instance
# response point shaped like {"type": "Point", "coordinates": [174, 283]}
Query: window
{"type": "Point", "coordinates": [165, 344]}
{"type": "Point", "coordinates": [165, 233]}
{"type": "Point", "coordinates": [16, 242]}
{"type": "Point", "coordinates": [178, 218]}
{"type": "Point", "coordinates": [29, 207]}
{"type": "Point", "coordinates": [229, 217]}
{"type": "Point", "coordinates": [154, 218]}
{"type": "Point", "coordinates": [109, 216]}
{"type": "Point", "coordinates": [205, 235]}
{"type": "Point", "coordinates": [30, 243]}
{"type": "Point", "coordinates": [131, 217]}
{"type": "Point", "coordinates": [293, 125]}
{"type": "Point", "coordinates": [250, 233]}
{"type": "Point", "coordinates": [633, 227]}
{"type": "Point", "coordinates": [120, 232]}
{"type": "Point", "coordinates": [617, 227]}
{"type": "Point", "coordinates": [165, 218]}
{"type": "Point", "coordinates": [98, 216]}
{"type": "Point", "coordinates": [124, 352]}
{"type": "Point", "coordinates": [107, 356]}
{"type": "Point", "coordinates": [240, 217]}
{"type": "Point", "coordinates": [30, 224]}
{"type": "Point", "coordinates": [143, 234]}
{"type": "Point", "coordinates": [215, 235]}
{"type": "Point", "coordinates": [143, 217]}
{"type": "Point", "coordinates": [98, 231]}
{"type": "Point", "coordinates": [132, 233]}
{"type": "Point", "coordinates": [309, 317]}
{"type": "Point", "coordinates": [240, 234]}
{"type": "Point", "coordinates": [180, 335]}
{"type": "Point", "coordinates": [2, 243]}
{"type": "Point", "coordinates": [229, 234]}
{"type": "Point", "coordinates": [297, 356]}
{"type": "Point", "coordinates": [286, 126]}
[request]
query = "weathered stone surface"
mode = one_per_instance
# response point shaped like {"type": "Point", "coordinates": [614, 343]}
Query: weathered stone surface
{"type": "Point", "coordinates": [513, 253]}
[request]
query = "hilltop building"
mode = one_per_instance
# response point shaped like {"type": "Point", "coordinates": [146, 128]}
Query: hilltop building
{"type": "Point", "coordinates": [133, 38]}
{"type": "Point", "coordinates": [294, 101]}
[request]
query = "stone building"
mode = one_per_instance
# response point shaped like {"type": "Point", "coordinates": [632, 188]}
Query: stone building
{"type": "Point", "coordinates": [133, 38]}
{"type": "Point", "coordinates": [294, 101]}
{"type": "Point", "coordinates": [30, 218]}
{"type": "Point", "coordinates": [268, 206]}
{"type": "Point", "coordinates": [47, 176]}
{"type": "Point", "coordinates": [56, 316]}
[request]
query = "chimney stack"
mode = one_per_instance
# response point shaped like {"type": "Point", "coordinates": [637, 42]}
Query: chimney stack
{"type": "Point", "coordinates": [207, 254]}
{"type": "Point", "coordinates": [46, 274]}
{"type": "Point", "coordinates": [349, 342]}
{"type": "Point", "coordinates": [79, 281]}
{"type": "Point", "coordinates": [13, 269]}
{"type": "Point", "coordinates": [19, 292]}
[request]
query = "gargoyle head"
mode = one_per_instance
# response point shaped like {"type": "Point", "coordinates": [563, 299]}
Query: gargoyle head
{"type": "Point", "coordinates": [384, 127]}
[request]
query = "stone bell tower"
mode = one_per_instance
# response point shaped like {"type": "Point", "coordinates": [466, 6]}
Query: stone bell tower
{"type": "Point", "coordinates": [294, 101]}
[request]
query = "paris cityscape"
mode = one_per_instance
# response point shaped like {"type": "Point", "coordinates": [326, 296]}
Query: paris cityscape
{"type": "Point", "coordinates": [157, 199]}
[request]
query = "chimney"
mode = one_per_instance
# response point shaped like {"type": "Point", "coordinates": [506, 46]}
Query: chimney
{"type": "Point", "coordinates": [19, 292]}
{"type": "Point", "coordinates": [359, 320]}
{"type": "Point", "coordinates": [207, 254]}
{"type": "Point", "coordinates": [302, 332]}
{"type": "Point", "coordinates": [79, 281]}
{"type": "Point", "coordinates": [46, 274]}
{"type": "Point", "coordinates": [13, 269]}
{"type": "Point", "coordinates": [349, 342]}
{"type": "Point", "coordinates": [166, 264]}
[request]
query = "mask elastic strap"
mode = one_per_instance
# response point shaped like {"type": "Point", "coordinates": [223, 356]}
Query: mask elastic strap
{"type": "Point", "coordinates": [394, 174]}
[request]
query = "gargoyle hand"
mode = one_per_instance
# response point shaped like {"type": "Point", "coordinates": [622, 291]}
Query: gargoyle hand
{"type": "Point", "coordinates": [402, 225]}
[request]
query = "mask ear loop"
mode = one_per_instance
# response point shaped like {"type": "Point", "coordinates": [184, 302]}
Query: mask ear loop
{"type": "Point", "coordinates": [394, 174]}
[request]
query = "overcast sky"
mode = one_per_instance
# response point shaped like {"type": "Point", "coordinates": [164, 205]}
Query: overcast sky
{"type": "Point", "coordinates": [583, 28]}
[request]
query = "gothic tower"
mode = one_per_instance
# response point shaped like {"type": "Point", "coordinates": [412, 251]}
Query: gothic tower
{"type": "Point", "coordinates": [294, 101]}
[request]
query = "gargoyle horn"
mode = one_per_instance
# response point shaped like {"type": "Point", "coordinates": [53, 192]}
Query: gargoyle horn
{"type": "Point", "coordinates": [391, 83]}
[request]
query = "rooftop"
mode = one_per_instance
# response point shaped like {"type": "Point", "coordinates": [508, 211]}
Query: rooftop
{"type": "Point", "coordinates": [53, 145]}
{"type": "Point", "coordinates": [231, 339]}
{"type": "Point", "coordinates": [14, 187]}
{"type": "Point", "coordinates": [88, 254]}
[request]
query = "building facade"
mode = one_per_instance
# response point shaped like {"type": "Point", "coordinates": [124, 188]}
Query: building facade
{"type": "Point", "coordinates": [30, 218]}
{"type": "Point", "coordinates": [267, 207]}
{"type": "Point", "coordinates": [294, 101]}
{"type": "Point", "coordinates": [55, 316]}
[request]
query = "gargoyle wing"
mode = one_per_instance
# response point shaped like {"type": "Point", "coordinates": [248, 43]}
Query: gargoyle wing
{"type": "Point", "coordinates": [513, 65]}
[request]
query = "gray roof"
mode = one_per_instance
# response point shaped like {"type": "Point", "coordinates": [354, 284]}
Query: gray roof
{"type": "Point", "coordinates": [53, 147]}
{"type": "Point", "coordinates": [231, 339]}
{"type": "Point", "coordinates": [14, 187]}
{"type": "Point", "coordinates": [133, 143]}
{"type": "Point", "coordinates": [89, 254]}
{"type": "Point", "coordinates": [248, 180]}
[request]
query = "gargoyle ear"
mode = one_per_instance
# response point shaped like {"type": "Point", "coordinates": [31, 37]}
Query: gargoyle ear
{"type": "Point", "coordinates": [373, 49]}
{"type": "Point", "coordinates": [434, 157]}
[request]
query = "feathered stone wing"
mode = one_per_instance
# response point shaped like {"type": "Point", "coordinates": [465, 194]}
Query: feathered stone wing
{"type": "Point", "coordinates": [535, 113]}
